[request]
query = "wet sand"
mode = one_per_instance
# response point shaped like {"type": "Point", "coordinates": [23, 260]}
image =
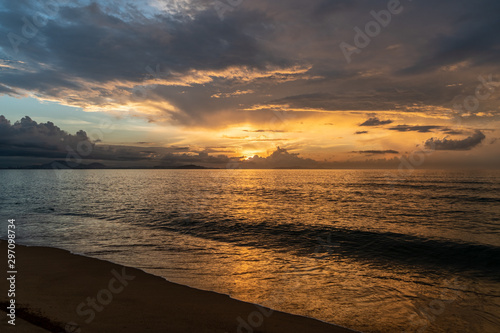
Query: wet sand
{"type": "Point", "coordinates": [57, 291]}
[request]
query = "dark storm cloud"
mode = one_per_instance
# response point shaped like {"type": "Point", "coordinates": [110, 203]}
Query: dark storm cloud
{"type": "Point", "coordinates": [448, 144]}
{"type": "Point", "coordinates": [374, 121]}
{"type": "Point", "coordinates": [29, 138]}
{"type": "Point", "coordinates": [475, 38]}
{"type": "Point", "coordinates": [327, 7]}
{"type": "Point", "coordinates": [46, 81]}
{"type": "Point", "coordinates": [89, 43]}
{"type": "Point", "coordinates": [87, 54]}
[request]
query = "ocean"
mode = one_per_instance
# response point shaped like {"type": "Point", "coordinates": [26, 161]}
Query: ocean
{"type": "Point", "coordinates": [372, 250]}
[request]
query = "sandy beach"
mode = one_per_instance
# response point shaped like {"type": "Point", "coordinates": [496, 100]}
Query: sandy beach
{"type": "Point", "coordinates": [57, 291]}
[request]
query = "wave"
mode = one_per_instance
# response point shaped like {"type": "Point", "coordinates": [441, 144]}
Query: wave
{"type": "Point", "coordinates": [382, 248]}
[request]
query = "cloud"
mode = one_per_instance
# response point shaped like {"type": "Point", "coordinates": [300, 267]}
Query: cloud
{"type": "Point", "coordinates": [264, 131]}
{"type": "Point", "coordinates": [361, 132]}
{"type": "Point", "coordinates": [379, 99]}
{"type": "Point", "coordinates": [97, 55]}
{"type": "Point", "coordinates": [376, 152]}
{"type": "Point", "coordinates": [6, 90]}
{"type": "Point", "coordinates": [328, 7]}
{"type": "Point", "coordinates": [280, 158]}
{"type": "Point", "coordinates": [29, 138]}
{"type": "Point", "coordinates": [426, 129]}
{"type": "Point", "coordinates": [374, 121]}
{"type": "Point", "coordinates": [236, 93]}
{"type": "Point", "coordinates": [452, 131]}
{"type": "Point", "coordinates": [448, 144]}
{"type": "Point", "coordinates": [473, 41]}
{"type": "Point", "coordinates": [27, 142]}
{"type": "Point", "coordinates": [420, 129]}
{"type": "Point", "coordinates": [37, 142]}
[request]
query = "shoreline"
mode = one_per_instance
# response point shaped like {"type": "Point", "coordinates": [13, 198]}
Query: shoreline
{"type": "Point", "coordinates": [61, 292]}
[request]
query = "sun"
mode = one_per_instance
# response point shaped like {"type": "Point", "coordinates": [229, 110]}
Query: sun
{"type": "Point", "coordinates": [249, 154]}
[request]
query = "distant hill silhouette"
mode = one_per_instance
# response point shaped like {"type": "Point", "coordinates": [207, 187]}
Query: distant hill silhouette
{"type": "Point", "coordinates": [73, 165]}
{"type": "Point", "coordinates": [64, 165]}
{"type": "Point", "coordinates": [188, 166]}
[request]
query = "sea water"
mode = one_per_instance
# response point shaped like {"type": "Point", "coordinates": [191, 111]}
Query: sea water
{"type": "Point", "coordinates": [373, 250]}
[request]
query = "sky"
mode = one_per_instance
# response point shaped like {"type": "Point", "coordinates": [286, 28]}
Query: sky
{"type": "Point", "coordinates": [264, 84]}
